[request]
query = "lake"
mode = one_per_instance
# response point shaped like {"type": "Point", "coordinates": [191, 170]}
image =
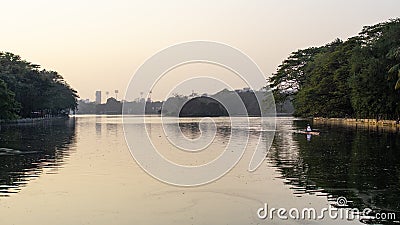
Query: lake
{"type": "Point", "coordinates": [80, 171]}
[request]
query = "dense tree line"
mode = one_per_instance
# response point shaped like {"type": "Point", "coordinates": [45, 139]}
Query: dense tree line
{"type": "Point", "coordinates": [359, 77]}
{"type": "Point", "coordinates": [203, 106]}
{"type": "Point", "coordinates": [28, 91]}
{"type": "Point", "coordinates": [218, 104]}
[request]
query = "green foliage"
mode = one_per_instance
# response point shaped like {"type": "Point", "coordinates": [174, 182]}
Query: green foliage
{"type": "Point", "coordinates": [38, 92]}
{"type": "Point", "coordinates": [394, 71]}
{"type": "Point", "coordinates": [291, 76]}
{"type": "Point", "coordinates": [358, 77]}
{"type": "Point", "coordinates": [8, 106]}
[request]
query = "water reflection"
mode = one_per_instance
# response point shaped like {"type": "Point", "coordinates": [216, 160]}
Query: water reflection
{"type": "Point", "coordinates": [28, 150]}
{"type": "Point", "coordinates": [193, 129]}
{"type": "Point", "coordinates": [357, 163]}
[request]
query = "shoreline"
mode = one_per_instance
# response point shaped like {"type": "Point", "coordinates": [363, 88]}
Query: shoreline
{"type": "Point", "coordinates": [367, 123]}
{"type": "Point", "coordinates": [30, 120]}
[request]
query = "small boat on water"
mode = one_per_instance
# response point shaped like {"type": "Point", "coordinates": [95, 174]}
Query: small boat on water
{"type": "Point", "coordinates": [308, 132]}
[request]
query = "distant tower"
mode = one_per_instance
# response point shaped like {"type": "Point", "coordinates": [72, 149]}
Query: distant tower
{"type": "Point", "coordinates": [149, 97]}
{"type": "Point", "coordinates": [107, 93]}
{"type": "Point", "coordinates": [98, 97]}
{"type": "Point", "coordinates": [193, 94]}
{"type": "Point", "coordinates": [116, 94]}
{"type": "Point", "coordinates": [141, 97]}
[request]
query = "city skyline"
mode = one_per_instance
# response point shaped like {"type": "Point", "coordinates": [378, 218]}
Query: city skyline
{"type": "Point", "coordinates": [98, 95]}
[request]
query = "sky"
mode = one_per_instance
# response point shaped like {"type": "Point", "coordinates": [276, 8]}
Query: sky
{"type": "Point", "coordinates": [98, 45]}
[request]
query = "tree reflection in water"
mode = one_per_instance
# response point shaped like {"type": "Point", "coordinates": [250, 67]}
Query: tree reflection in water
{"type": "Point", "coordinates": [358, 163]}
{"type": "Point", "coordinates": [27, 150]}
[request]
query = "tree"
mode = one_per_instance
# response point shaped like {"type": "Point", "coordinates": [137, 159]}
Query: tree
{"type": "Point", "coordinates": [290, 76]}
{"type": "Point", "coordinates": [8, 106]}
{"type": "Point", "coordinates": [38, 92]}
{"type": "Point", "coordinates": [359, 77]}
{"type": "Point", "coordinates": [373, 85]}
{"type": "Point", "coordinates": [326, 92]}
{"type": "Point", "coordinates": [395, 70]}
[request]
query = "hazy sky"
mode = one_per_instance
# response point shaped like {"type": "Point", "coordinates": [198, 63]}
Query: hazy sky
{"type": "Point", "coordinates": [98, 45]}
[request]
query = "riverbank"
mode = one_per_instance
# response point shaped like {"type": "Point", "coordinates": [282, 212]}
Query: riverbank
{"type": "Point", "coordinates": [30, 120]}
{"type": "Point", "coordinates": [368, 123]}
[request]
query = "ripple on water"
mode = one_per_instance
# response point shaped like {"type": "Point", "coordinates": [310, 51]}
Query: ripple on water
{"type": "Point", "coordinates": [29, 150]}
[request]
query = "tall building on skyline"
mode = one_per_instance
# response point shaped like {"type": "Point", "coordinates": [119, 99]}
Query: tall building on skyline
{"type": "Point", "coordinates": [98, 97]}
{"type": "Point", "coordinates": [116, 94]}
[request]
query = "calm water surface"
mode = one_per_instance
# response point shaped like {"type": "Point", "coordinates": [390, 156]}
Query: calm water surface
{"type": "Point", "coordinates": [80, 171]}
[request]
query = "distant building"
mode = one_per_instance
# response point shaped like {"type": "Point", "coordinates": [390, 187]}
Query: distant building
{"type": "Point", "coordinates": [116, 94]}
{"type": "Point", "coordinates": [246, 89]}
{"type": "Point", "coordinates": [98, 97]}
